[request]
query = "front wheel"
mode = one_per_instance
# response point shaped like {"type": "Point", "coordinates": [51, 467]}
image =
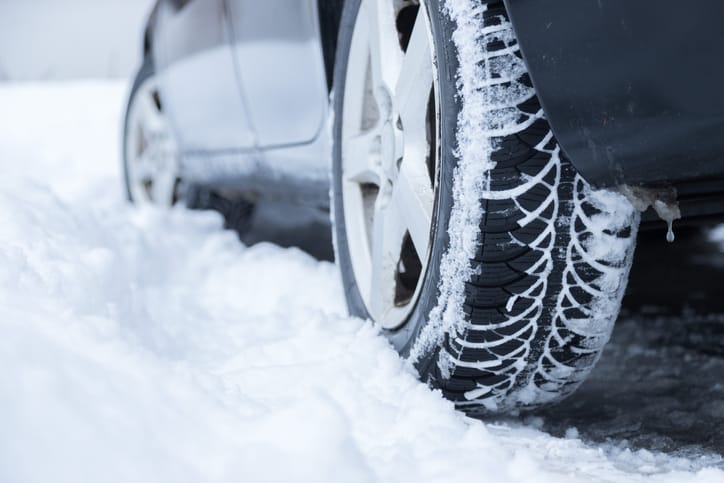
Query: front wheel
{"type": "Point", "coordinates": [461, 228]}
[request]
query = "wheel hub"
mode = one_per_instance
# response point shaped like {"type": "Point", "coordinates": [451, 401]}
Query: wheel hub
{"type": "Point", "coordinates": [391, 142]}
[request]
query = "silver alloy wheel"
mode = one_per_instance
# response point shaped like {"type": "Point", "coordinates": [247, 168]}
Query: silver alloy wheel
{"type": "Point", "coordinates": [151, 152]}
{"type": "Point", "coordinates": [390, 142]}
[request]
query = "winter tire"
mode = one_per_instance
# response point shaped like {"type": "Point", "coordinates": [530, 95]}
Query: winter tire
{"type": "Point", "coordinates": [461, 229]}
{"type": "Point", "coordinates": [150, 154]}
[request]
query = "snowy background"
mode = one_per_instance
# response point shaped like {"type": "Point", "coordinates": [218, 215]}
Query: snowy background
{"type": "Point", "coordinates": [68, 39]}
{"type": "Point", "coordinates": [148, 346]}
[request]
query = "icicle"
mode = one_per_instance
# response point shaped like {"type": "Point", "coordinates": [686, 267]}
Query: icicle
{"type": "Point", "coordinates": [668, 212]}
{"type": "Point", "coordinates": [663, 201]}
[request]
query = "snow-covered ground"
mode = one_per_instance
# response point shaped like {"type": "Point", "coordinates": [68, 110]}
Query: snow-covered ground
{"type": "Point", "coordinates": [147, 346]}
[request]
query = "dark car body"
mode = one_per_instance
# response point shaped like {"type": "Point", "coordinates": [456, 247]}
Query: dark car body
{"type": "Point", "coordinates": [633, 90]}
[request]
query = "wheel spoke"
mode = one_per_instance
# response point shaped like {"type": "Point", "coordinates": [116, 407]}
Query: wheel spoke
{"type": "Point", "coordinates": [387, 237]}
{"type": "Point", "coordinates": [412, 91]}
{"type": "Point", "coordinates": [413, 188]}
{"type": "Point", "coordinates": [414, 197]}
{"type": "Point", "coordinates": [356, 107]}
{"type": "Point", "coordinates": [383, 42]}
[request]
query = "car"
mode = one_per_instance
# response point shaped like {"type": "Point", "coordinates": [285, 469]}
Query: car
{"type": "Point", "coordinates": [484, 162]}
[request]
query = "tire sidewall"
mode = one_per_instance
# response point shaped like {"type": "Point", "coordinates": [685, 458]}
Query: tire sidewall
{"type": "Point", "coordinates": [403, 338]}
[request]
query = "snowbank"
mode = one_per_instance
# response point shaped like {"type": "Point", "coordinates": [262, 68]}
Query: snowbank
{"type": "Point", "coordinates": [153, 347]}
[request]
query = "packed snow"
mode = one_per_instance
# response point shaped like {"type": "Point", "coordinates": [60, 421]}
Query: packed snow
{"type": "Point", "coordinates": [149, 346]}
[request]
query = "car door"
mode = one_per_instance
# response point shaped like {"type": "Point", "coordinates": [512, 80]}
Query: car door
{"type": "Point", "coordinates": [281, 68]}
{"type": "Point", "coordinates": [197, 77]}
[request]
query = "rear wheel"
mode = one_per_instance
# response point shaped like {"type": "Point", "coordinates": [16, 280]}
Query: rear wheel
{"type": "Point", "coordinates": [150, 153]}
{"type": "Point", "coordinates": [461, 229]}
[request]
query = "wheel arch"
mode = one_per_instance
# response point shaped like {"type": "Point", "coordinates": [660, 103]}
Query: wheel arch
{"type": "Point", "coordinates": [630, 89]}
{"type": "Point", "coordinates": [149, 28]}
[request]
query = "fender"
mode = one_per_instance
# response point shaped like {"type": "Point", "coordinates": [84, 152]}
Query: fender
{"type": "Point", "coordinates": [632, 89]}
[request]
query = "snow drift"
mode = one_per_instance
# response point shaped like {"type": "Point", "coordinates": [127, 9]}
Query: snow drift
{"type": "Point", "coordinates": [150, 346]}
